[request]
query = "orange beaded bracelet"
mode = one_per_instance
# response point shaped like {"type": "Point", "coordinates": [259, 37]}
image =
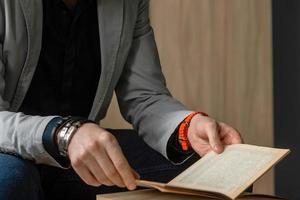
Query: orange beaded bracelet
{"type": "Point", "coordinates": [183, 130]}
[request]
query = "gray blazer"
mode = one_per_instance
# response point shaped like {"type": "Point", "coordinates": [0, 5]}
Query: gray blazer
{"type": "Point", "coordinates": [130, 66]}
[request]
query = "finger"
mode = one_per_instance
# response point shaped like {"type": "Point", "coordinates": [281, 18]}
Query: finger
{"type": "Point", "coordinates": [86, 175]}
{"type": "Point", "coordinates": [98, 172]}
{"type": "Point", "coordinates": [230, 135]}
{"type": "Point", "coordinates": [136, 175]}
{"type": "Point", "coordinates": [122, 166]}
{"type": "Point", "coordinates": [235, 137]}
{"type": "Point", "coordinates": [109, 169]}
{"type": "Point", "coordinates": [214, 138]}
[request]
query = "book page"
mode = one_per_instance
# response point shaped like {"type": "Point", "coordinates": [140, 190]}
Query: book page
{"type": "Point", "coordinates": [231, 172]}
{"type": "Point", "coordinates": [163, 188]}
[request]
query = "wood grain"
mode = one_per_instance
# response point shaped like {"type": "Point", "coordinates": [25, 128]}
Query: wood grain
{"type": "Point", "coordinates": [217, 58]}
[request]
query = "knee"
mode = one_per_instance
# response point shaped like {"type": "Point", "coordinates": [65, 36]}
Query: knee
{"type": "Point", "coordinates": [18, 177]}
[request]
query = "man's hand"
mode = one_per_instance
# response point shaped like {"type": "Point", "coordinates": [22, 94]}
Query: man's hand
{"type": "Point", "coordinates": [205, 135]}
{"type": "Point", "coordinates": [98, 159]}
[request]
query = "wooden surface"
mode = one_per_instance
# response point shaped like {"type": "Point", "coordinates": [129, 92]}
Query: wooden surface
{"type": "Point", "coordinates": [216, 56]}
{"type": "Point", "coordinates": [156, 195]}
{"type": "Point", "coordinates": [148, 195]}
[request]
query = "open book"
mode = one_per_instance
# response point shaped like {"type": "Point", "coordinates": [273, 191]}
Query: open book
{"type": "Point", "coordinates": [216, 176]}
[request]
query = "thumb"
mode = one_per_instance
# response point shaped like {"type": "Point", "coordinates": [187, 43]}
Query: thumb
{"type": "Point", "coordinates": [214, 139]}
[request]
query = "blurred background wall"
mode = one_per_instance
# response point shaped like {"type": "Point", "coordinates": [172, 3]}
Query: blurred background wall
{"type": "Point", "coordinates": [217, 58]}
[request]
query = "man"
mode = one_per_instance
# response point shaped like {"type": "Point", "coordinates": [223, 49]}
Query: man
{"type": "Point", "coordinates": [61, 58]}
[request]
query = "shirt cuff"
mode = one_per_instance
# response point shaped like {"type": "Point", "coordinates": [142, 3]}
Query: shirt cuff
{"type": "Point", "coordinates": [49, 143]}
{"type": "Point", "coordinates": [174, 150]}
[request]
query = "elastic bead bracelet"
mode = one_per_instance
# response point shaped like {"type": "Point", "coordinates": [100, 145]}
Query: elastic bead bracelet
{"type": "Point", "coordinates": [183, 130]}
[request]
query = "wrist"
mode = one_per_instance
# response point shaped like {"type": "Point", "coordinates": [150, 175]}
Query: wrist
{"type": "Point", "coordinates": [183, 131]}
{"type": "Point", "coordinates": [66, 132]}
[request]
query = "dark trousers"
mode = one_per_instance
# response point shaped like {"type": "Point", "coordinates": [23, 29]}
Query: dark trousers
{"type": "Point", "coordinates": [21, 179]}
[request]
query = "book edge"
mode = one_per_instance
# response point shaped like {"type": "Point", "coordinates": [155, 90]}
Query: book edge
{"type": "Point", "coordinates": [180, 190]}
{"type": "Point", "coordinates": [281, 154]}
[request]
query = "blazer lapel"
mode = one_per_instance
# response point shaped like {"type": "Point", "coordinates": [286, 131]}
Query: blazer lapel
{"type": "Point", "coordinates": [110, 19]}
{"type": "Point", "coordinates": [33, 14]}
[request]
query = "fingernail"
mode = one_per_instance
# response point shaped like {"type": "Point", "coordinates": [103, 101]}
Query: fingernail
{"type": "Point", "coordinates": [132, 187]}
{"type": "Point", "coordinates": [217, 148]}
{"type": "Point", "coordinates": [137, 175]}
{"type": "Point", "coordinates": [220, 148]}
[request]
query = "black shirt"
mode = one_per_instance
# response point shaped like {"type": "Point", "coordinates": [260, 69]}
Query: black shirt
{"type": "Point", "coordinates": [69, 66]}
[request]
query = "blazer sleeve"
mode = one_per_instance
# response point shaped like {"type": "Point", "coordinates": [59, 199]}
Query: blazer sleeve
{"type": "Point", "coordinates": [142, 94]}
{"type": "Point", "coordinates": [20, 134]}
